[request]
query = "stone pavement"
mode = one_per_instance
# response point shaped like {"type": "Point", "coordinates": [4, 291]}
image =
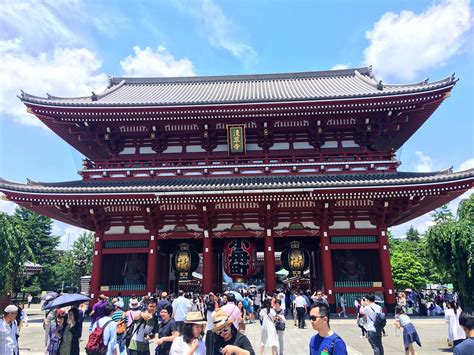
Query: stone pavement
{"type": "Point", "coordinates": [432, 331]}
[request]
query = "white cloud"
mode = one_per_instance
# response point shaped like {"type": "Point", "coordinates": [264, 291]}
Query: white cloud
{"type": "Point", "coordinates": [67, 233]}
{"type": "Point", "coordinates": [339, 67]}
{"type": "Point", "coordinates": [146, 62]}
{"type": "Point", "coordinates": [466, 165]}
{"type": "Point", "coordinates": [6, 206]}
{"type": "Point", "coordinates": [424, 163]}
{"type": "Point", "coordinates": [65, 72]}
{"type": "Point", "coordinates": [219, 28]}
{"type": "Point", "coordinates": [403, 45]}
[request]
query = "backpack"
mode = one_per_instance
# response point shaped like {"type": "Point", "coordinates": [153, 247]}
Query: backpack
{"type": "Point", "coordinates": [380, 321]}
{"type": "Point", "coordinates": [246, 303]}
{"type": "Point", "coordinates": [121, 326]}
{"type": "Point", "coordinates": [95, 344]}
{"type": "Point", "coordinates": [131, 330]}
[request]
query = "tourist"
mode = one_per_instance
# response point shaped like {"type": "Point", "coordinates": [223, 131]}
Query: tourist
{"type": "Point", "coordinates": [269, 337]}
{"type": "Point", "coordinates": [243, 316]}
{"type": "Point", "coordinates": [167, 331]}
{"type": "Point", "coordinates": [288, 301]}
{"type": "Point", "coordinates": [29, 299]}
{"type": "Point", "coordinates": [467, 346]}
{"type": "Point", "coordinates": [301, 308]}
{"type": "Point", "coordinates": [71, 335]}
{"type": "Point", "coordinates": [9, 331]}
{"type": "Point", "coordinates": [56, 334]}
{"type": "Point", "coordinates": [163, 301]}
{"type": "Point", "coordinates": [98, 310]}
{"type": "Point", "coordinates": [232, 310]}
{"type": "Point", "coordinates": [225, 339]}
{"type": "Point", "coordinates": [247, 303]}
{"type": "Point", "coordinates": [120, 317]}
{"type": "Point", "coordinates": [191, 340]}
{"type": "Point", "coordinates": [181, 307]}
{"type": "Point", "coordinates": [109, 329]}
{"type": "Point", "coordinates": [410, 336]}
{"type": "Point", "coordinates": [143, 327]}
{"type": "Point", "coordinates": [21, 317]}
{"type": "Point", "coordinates": [48, 322]}
{"type": "Point", "coordinates": [342, 303]}
{"type": "Point", "coordinates": [401, 300]}
{"type": "Point", "coordinates": [359, 318]}
{"type": "Point", "coordinates": [369, 311]}
{"type": "Point", "coordinates": [456, 333]}
{"type": "Point", "coordinates": [211, 305]}
{"type": "Point", "coordinates": [326, 341]}
{"type": "Point", "coordinates": [280, 324]}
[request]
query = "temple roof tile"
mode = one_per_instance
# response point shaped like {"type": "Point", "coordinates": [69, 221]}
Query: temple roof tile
{"type": "Point", "coordinates": [235, 89]}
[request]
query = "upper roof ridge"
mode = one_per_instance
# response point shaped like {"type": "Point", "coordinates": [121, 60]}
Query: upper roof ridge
{"type": "Point", "coordinates": [241, 77]}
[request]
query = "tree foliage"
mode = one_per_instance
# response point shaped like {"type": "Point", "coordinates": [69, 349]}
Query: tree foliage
{"type": "Point", "coordinates": [413, 235]}
{"type": "Point", "coordinates": [407, 271]}
{"type": "Point", "coordinates": [450, 243]}
{"type": "Point", "coordinates": [14, 252]}
{"type": "Point", "coordinates": [76, 262]}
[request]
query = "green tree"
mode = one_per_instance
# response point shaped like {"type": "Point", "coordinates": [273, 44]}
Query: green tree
{"type": "Point", "coordinates": [443, 214]}
{"type": "Point", "coordinates": [14, 252]}
{"type": "Point", "coordinates": [76, 262]}
{"type": "Point", "coordinates": [450, 243]}
{"type": "Point", "coordinates": [407, 271]}
{"type": "Point", "coordinates": [413, 235]}
{"type": "Point", "coordinates": [38, 233]}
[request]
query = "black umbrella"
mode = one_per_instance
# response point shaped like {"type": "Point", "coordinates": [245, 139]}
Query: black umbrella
{"type": "Point", "coordinates": [67, 299]}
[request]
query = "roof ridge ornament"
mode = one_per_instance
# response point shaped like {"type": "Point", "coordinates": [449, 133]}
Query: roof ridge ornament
{"type": "Point", "coordinates": [94, 96]}
{"type": "Point", "coordinates": [380, 85]}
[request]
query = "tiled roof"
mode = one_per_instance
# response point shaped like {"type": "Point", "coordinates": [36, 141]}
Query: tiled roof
{"type": "Point", "coordinates": [181, 91]}
{"type": "Point", "coordinates": [176, 185]}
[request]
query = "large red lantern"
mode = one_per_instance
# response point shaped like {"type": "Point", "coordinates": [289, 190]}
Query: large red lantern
{"type": "Point", "coordinates": [240, 258]}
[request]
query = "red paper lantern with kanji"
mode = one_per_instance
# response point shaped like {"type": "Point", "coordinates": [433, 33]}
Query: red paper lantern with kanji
{"type": "Point", "coordinates": [240, 258]}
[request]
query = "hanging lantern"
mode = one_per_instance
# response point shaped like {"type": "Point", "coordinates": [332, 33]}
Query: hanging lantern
{"type": "Point", "coordinates": [240, 259]}
{"type": "Point", "coordinates": [184, 261]}
{"type": "Point", "coordinates": [295, 259]}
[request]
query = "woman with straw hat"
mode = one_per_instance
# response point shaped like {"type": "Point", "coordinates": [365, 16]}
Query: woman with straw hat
{"type": "Point", "coordinates": [224, 338]}
{"type": "Point", "coordinates": [190, 342]}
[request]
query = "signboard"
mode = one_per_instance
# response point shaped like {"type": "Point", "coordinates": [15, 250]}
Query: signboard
{"type": "Point", "coordinates": [236, 138]}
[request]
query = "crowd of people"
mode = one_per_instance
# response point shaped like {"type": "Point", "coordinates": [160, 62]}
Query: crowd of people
{"type": "Point", "coordinates": [186, 323]}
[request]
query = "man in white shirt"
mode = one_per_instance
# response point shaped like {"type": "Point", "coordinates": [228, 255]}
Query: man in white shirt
{"type": "Point", "coordinates": [301, 307]}
{"type": "Point", "coordinates": [9, 331]}
{"type": "Point", "coordinates": [181, 307]}
{"type": "Point", "coordinates": [369, 312]}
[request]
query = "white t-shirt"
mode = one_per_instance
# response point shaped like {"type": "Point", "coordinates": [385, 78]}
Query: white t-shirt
{"type": "Point", "coordinates": [370, 311]}
{"type": "Point", "coordinates": [181, 307]}
{"type": "Point", "coordinates": [300, 301]}
{"type": "Point", "coordinates": [179, 347]}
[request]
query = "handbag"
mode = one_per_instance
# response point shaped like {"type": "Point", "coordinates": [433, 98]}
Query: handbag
{"type": "Point", "coordinates": [280, 325]}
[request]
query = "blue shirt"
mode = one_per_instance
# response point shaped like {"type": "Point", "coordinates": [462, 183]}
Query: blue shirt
{"type": "Point", "coordinates": [109, 333]}
{"type": "Point", "coordinates": [322, 345]}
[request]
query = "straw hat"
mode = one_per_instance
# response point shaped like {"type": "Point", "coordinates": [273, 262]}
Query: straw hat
{"type": "Point", "coordinates": [195, 318]}
{"type": "Point", "coordinates": [221, 320]}
{"type": "Point", "coordinates": [133, 303]}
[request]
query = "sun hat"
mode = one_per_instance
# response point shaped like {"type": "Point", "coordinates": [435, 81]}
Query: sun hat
{"type": "Point", "coordinates": [133, 303]}
{"type": "Point", "coordinates": [119, 304]}
{"type": "Point", "coordinates": [195, 318]}
{"type": "Point", "coordinates": [11, 309]}
{"type": "Point", "coordinates": [221, 319]}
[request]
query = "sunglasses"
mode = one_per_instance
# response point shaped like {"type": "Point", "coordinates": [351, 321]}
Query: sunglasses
{"type": "Point", "coordinates": [223, 330]}
{"type": "Point", "coordinates": [313, 318]}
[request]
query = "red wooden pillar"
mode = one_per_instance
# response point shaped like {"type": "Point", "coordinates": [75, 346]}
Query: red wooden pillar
{"type": "Point", "coordinates": [326, 258]}
{"type": "Point", "coordinates": [96, 266]}
{"type": "Point", "coordinates": [152, 265]}
{"type": "Point", "coordinates": [269, 260]}
{"type": "Point", "coordinates": [386, 269]}
{"type": "Point", "coordinates": [207, 272]}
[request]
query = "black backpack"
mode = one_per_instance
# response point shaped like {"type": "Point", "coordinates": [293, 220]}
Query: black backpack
{"type": "Point", "coordinates": [380, 321]}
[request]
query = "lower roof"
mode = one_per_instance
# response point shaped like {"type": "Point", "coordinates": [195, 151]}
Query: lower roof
{"type": "Point", "coordinates": [231, 183]}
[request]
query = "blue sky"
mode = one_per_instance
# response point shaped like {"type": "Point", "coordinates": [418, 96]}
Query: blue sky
{"type": "Point", "coordinates": [68, 48]}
